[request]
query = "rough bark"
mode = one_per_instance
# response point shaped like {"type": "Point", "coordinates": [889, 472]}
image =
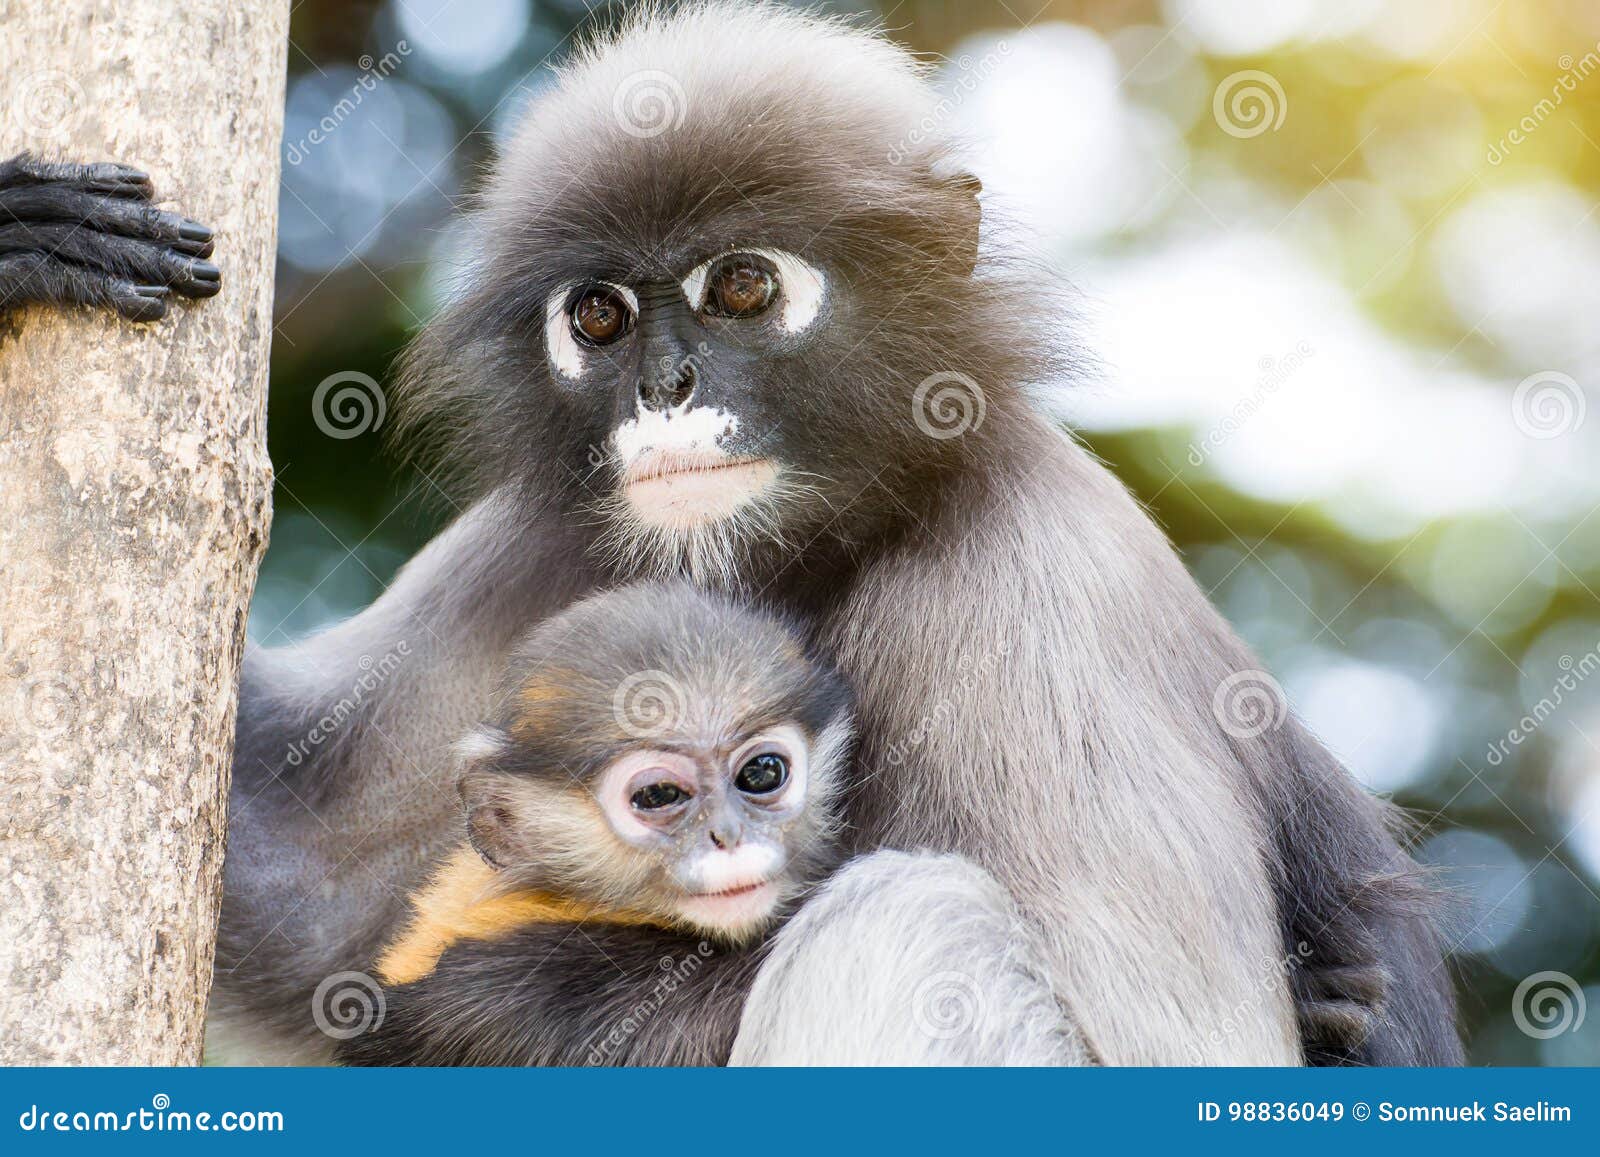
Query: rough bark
{"type": "Point", "coordinates": [134, 503]}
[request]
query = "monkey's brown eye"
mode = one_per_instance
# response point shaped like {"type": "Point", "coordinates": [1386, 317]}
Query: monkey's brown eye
{"type": "Point", "coordinates": [600, 315]}
{"type": "Point", "coordinates": [740, 286]}
{"type": "Point", "coordinates": [762, 774]}
{"type": "Point", "coordinates": [655, 796]}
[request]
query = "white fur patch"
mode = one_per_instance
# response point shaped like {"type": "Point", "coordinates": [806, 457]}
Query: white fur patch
{"type": "Point", "coordinates": [685, 428]}
{"type": "Point", "coordinates": [565, 352]}
{"type": "Point", "coordinates": [802, 285]}
{"type": "Point", "coordinates": [715, 870]}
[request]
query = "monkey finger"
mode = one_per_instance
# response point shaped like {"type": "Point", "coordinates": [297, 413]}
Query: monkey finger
{"type": "Point", "coordinates": [142, 262]}
{"type": "Point", "coordinates": [106, 178]}
{"type": "Point", "coordinates": [120, 216]}
{"type": "Point", "coordinates": [41, 278]}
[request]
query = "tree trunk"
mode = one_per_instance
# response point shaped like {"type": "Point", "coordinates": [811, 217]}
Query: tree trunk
{"type": "Point", "coordinates": [134, 502]}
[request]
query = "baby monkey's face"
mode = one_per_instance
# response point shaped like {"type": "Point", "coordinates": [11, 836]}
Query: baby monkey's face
{"type": "Point", "coordinates": [716, 836]}
{"type": "Point", "coordinates": [711, 814]}
{"type": "Point", "coordinates": [716, 822]}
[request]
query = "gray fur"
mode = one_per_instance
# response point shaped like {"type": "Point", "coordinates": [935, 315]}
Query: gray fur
{"type": "Point", "coordinates": [906, 959]}
{"type": "Point", "coordinates": [1037, 675]}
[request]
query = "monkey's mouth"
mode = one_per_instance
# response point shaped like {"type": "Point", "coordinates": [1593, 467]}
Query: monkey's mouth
{"type": "Point", "coordinates": [680, 490]}
{"type": "Point", "coordinates": [737, 911]}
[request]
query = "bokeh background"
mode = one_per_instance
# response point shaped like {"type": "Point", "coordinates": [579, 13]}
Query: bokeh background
{"type": "Point", "coordinates": [1339, 264]}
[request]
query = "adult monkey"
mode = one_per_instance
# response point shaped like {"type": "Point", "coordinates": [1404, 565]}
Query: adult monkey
{"type": "Point", "coordinates": [717, 343]}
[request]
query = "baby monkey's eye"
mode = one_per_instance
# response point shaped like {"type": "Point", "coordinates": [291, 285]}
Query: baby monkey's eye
{"type": "Point", "coordinates": [740, 285]}
{"type": "Point", "coordinates": [655, 796]}
{"type": "Point", "coordinates": [600, 315]}
{"type": "Point", "coordinates": [762, 774]}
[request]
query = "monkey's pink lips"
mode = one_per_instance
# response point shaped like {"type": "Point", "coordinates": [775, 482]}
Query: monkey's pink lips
{"type": "Point", "coordinates": [662, 465]}
{"type": "Point", "coordinates": [730, 893]}
{"type": "Point", "coordinates": [678, 490]}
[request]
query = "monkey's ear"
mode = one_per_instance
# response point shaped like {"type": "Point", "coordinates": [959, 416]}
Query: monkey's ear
{"type": "Point", "coordinates": [491, 816]}
{"type": "Point", "coordinates": [964, 187]}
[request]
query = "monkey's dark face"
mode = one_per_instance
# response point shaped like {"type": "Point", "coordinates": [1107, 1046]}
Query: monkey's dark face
{"type": "Point", "coordinates": [716, 347]}
{"type": "Point", "coordinates": [692, 376]}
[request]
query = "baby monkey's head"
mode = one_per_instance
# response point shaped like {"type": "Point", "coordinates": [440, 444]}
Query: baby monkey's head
{"type": "Point", "coordinates": [662, 752]}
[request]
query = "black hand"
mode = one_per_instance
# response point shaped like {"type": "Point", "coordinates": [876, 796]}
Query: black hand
{"type": "Point", "coordinates": [88, 235]}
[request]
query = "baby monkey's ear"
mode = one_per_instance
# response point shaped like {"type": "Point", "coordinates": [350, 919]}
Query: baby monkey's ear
{"type": "Point", "coordinates": [486, 796]}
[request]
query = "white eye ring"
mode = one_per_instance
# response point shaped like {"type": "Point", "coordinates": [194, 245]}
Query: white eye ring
{"type": "Point", "coordinates": [565, 352]}
{"type": "Point", "coordinates": [800, 284]}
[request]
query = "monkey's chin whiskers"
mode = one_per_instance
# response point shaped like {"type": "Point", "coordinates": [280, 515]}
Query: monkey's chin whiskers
{"type": "Point", "coordinates": [706, 524]}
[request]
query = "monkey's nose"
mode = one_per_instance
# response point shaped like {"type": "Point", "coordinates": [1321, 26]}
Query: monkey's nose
{"type": "Point", "coordinates": [672, 387]}
{"type": "Point", "coordinates": [725, 837]}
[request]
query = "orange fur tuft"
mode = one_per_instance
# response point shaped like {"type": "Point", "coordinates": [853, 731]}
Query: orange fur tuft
{"type": "Point", "coordinates": [465, 901]}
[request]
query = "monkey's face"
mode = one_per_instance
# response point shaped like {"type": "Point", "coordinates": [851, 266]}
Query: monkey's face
{"type": "Point", "coordinates": [715, 392]}
{"type": "Point", "coordinates": [713, 837]}
{"type": "Point", "coordinates": [713, 348]}
{"type": "Point", "coordinates": [687, 367]}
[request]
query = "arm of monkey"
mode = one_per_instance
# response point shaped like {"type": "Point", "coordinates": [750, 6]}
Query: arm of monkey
{"type": "Point", "coordinates": [89, 235]}
{"type": "Point", "coordinates": [1368, 984]}
{"type": "Point", "coordinates": [566, 994]}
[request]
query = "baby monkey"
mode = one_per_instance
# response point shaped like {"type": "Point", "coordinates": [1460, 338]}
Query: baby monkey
{"type": "Point", "coordinates": [653, 791]}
